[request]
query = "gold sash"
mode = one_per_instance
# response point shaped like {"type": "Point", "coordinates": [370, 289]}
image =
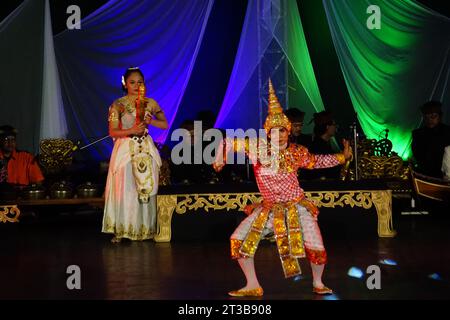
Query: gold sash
{"type": "Point", "coordinates": [289, 236]}
{"type": "Point", "coordinates": [142, 167]}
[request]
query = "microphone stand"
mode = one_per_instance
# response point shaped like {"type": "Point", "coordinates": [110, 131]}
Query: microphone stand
{"type": "Point", "coordinates": [355, 148]}
{"type": "Point", "coordinates": [247, 166]}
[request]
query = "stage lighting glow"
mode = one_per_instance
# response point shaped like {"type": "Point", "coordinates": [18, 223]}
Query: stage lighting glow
{"type": "Point", "coordinates": [435, 276]}
{"type": "Point", "coordinates": [298, 278]}
{"type": "Point", "coordinates": [355, 272]}
{"type": "Point", "coordinates": [388, 262]}
{"type": "Point", "coordinates": [331, 297]}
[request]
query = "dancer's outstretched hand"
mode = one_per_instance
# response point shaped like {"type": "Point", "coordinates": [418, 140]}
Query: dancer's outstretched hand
{"type": "Point", "coordinates": [348, 154]}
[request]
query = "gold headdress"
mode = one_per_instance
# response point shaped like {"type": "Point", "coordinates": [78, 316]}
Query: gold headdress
{"type": "Point", "coordinates": [276, 117]}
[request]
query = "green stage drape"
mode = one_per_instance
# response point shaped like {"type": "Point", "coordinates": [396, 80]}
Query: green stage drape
{"type": "Point", "coordinates": [391, 71]}
{"type": "Point", "coordinates": [303, 90]}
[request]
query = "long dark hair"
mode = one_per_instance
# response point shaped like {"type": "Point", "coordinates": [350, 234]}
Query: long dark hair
{"type": "Point", "coordinates": [128, 73]}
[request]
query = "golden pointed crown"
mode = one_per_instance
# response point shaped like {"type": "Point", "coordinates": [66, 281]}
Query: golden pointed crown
{"type": "Point", "coordinates": [276, 117]}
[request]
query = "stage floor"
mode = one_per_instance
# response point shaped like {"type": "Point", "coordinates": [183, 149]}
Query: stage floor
{"type": "Point", "coordinates": [35, 254]}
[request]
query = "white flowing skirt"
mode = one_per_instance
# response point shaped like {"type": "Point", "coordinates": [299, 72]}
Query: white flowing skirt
{"type": "Point", "coordinates": [124, 215]}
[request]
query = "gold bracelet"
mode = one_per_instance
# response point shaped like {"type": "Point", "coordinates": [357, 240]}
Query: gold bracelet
{"type": "Point", "coordinates": [340, 158]}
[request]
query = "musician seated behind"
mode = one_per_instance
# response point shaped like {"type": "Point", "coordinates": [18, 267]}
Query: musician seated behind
{"type": "Point", "coordinates": [296, 116]}
{"type": "Point", "coordinates": [324, 130]}
{"type": "Point", "coordinates": [429, 141]}
{"type": "Point", "coordinates": [187, 173]}
{"type": "Point", "coordinates": [17, 167]}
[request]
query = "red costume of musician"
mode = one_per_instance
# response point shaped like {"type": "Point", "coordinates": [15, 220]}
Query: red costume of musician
{"type": "Point", "coordinates": [17, 167]}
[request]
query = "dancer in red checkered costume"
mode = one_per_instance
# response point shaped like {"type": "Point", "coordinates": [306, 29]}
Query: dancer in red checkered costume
{"type": "Point", "coordinates": [284, 209]}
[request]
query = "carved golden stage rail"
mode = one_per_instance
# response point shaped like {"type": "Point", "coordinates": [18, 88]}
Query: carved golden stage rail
{"type": "Point", "coordinates": [181, 203]}
{"type": "Point", "coordinates": [10, 209]}
{"type": "Point", "coordinates": [9, 213]}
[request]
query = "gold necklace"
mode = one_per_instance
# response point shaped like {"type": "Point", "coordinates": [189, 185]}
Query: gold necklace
{"type": "Point", "coordinates": [129, 106]}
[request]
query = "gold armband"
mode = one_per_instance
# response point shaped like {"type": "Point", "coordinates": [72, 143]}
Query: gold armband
{"type": "Point", "coordinates": [113, 116]}
{"type": "Point", "coordinates": [312, 162]}
{"type": "Point", "coordinates": [240, 145]}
